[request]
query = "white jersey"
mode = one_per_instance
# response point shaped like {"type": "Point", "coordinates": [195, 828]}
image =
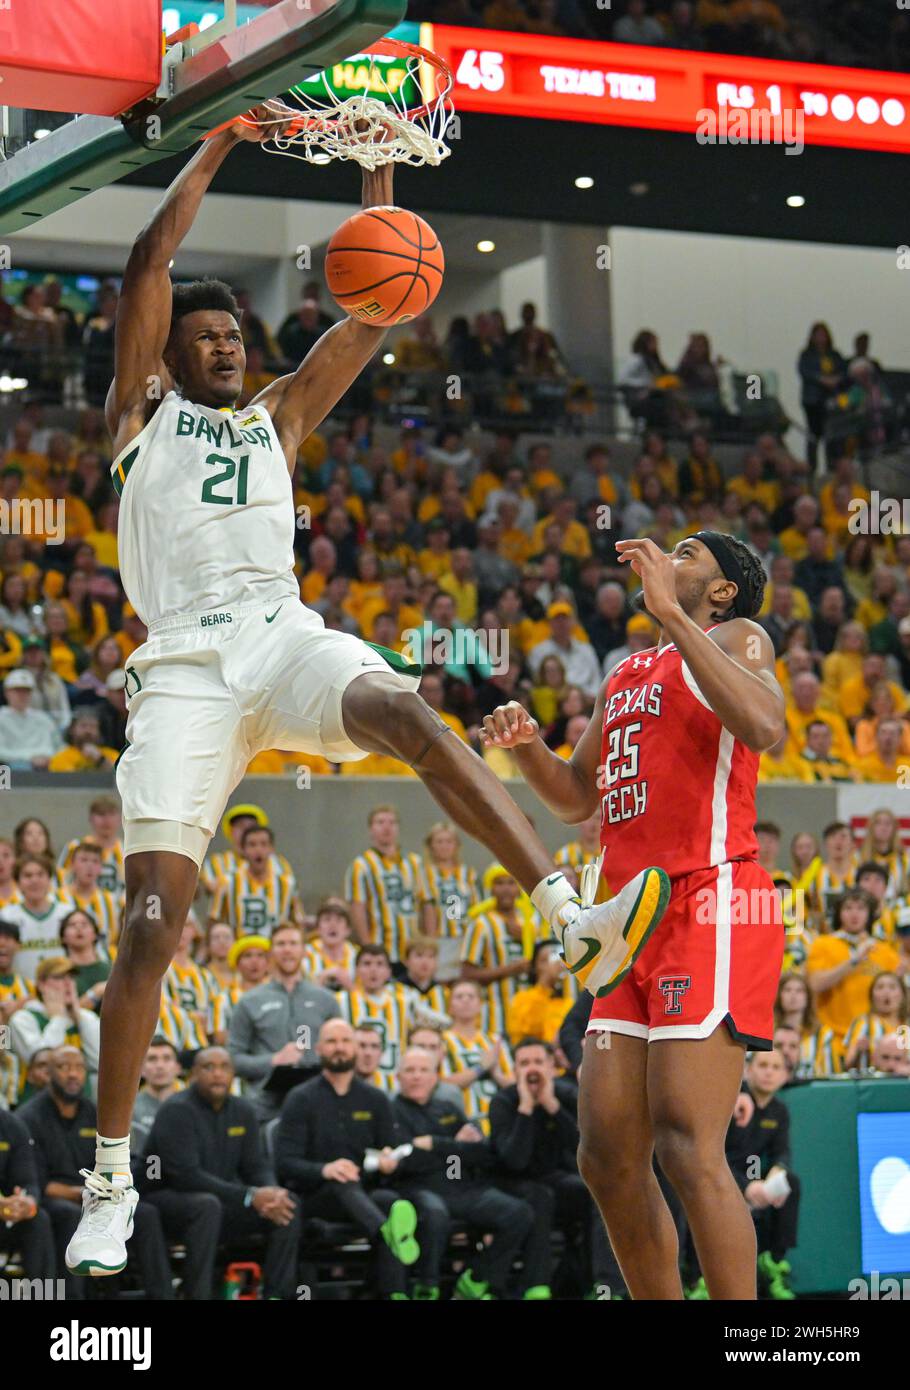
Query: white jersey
{"type": "Point", "coordinates": [39, 933]}
{"type": "Point", "coordinates": [206, 512]}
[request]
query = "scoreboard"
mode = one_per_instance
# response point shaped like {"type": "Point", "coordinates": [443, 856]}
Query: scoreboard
{"type": "Point", "coordinates": [513, 74]}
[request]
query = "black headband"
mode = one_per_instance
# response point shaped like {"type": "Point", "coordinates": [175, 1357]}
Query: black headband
{"type": "Point", "coordinates": [730, 568]}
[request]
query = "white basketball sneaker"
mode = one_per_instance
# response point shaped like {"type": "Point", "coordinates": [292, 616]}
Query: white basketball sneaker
{"type": "Point", "coordinates": [99, 1241]}
{"type": "Point", "coordinates": [601, 943]}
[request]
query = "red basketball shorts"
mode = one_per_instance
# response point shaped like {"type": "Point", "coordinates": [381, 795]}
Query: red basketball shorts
{"type": "Point", "coordinates": [714, 958]}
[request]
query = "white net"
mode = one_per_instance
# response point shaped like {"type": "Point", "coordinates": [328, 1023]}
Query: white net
{"type": "Point", "coordinates": [372, 130]}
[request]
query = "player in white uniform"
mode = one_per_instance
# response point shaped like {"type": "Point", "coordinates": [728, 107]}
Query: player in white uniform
{"type": "Point", "coordinates": [235, 663]}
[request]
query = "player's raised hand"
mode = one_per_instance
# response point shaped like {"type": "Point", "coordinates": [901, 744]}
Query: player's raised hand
{"type": "Point", "coordinates": [508, 726]}
{"type": "Point", "coordinates": [657, 573]}
{"type": "Point", "coordinates": [260, 123]}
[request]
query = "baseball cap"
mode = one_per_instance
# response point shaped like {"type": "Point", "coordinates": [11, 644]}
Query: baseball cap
{"type": "Point", "coordinates": [28, 643]}
{"type": "Point", "coordinates": [55, 968]}
{"type": "Point", "coordinates": [242, 809]}
{"type": "Point", "coordinates": [247, 943]}
{"type": "Point", "coordinates": [19, 679]}
{"type": "Point", "coordinates": [639, 623]}
{"type": "Point", "coordinates": [560, 609]}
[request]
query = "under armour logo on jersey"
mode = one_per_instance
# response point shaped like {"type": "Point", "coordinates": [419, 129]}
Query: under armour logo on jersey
{"type": "Point", "coordinates": [641, 661]}
{"type": "Point", "coordinates": [673, 987]}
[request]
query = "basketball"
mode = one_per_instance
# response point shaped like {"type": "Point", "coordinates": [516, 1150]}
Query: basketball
{"type": "Point", "coordinates": [384, 265]}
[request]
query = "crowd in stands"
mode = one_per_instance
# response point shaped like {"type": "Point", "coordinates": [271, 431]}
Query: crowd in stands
{"type": "Point", "coordinates": [69, 357]}
{"type": "Point", "coordinates": [425, 1006]}
{"type": "Point", "coordinates": [491, 566]}
{"type": "Point", "coordinates": [394, 1065]}
{"type": "Point", "coordinates": [816, 31]}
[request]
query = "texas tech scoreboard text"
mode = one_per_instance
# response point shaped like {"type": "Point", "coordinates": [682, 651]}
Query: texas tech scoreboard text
{"type": "Point", "coordinates": [667, 89]}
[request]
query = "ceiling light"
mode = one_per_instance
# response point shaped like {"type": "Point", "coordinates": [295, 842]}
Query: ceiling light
{"type": "Point", "coordinates": [796, 200]}
{"type": "Point", "coordinates": [388, 358]}
{"type": "Point", "coordinates": [584, 181]}
{"type": "Point", "coordinates": [485, 247]}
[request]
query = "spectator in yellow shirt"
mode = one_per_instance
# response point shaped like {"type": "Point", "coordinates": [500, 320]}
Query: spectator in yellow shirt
{"type": "Point", "coordinates": [322, 561]}
{"type": "Point", "coordinates": [751, 486]}
{"type": "Point", "coordinates": [655, 449]}
{"type": "Point", "coordinates": [538, 1012]}
{"type": "Point", "coordinates": [366, 586]}
{"type": "Point", "coordinates": [781, 577]}
{"type": "Point", "coordinates": [842, 964]}
{"type": "Point", "coordinates": [858, 565]}
{"type": "Point", "coordinates": [64, 653]}
{"type": "Point", "coordinates": [575, 539]}
{"type": "Point", "coordinates": [103, 536]}
{"type": "Point", "coordinates": [818, 759]}
{"type": "Point", "coordinates": [778, 765]}
{"type": "Point", "coordinates": [837, 520]}
{"type": "Point", "coordinates": [392, 600]}
{"type": "Point", "coordinates": [881, 706]}
{"type": "Point", "coordinates": [843, 473]}
{"type": "Point", "coordinates": [484, 483]}
{"type": "Point", "coordinates": [435, 559]}
{"type": "Point", "coordinates": [391, 550]}
{"type": "Point", "coordinates": [514, 543]}
{"type": "Point", "coordinates": [856, 693]}
{"type": "Point", "coordinates": [874, 609]}
{"type": "Point", "coordinates": [846, 660]}
{"type": "Point", "coordinates": [886, 764]}
{"type": "Point", "coordinates": [84, 750]}
{"type": "Point", "coordinates": [88, 621]}
{"type": "Point", "coordinates": [794, 540]}
{"type": "Point", "coordinates": [541, 474]}
{"type": "Point", "coordinates": [10, 650]}
{"type": "Point", "coordinates": [31, 462]}
{"type": "Point", "coordinates": [460, 584]}
{"type": "Point", "coordinates": [805, 707]}
{"type": "Point", "coordinates": [548, 691]}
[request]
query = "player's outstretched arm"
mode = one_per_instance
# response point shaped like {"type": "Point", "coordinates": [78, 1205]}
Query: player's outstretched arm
{"type": "Point", "coordinates": [298, 403]}
{"type": "Point", "coordinates": [570, 789]}
{"type": "Point", "coordinates": [144, 310]}
{"type": "Point", "coordinates": [733, 667]}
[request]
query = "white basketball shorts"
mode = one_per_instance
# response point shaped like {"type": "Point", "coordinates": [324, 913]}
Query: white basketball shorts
{"type": "Point", "coordinates": [208, 691]}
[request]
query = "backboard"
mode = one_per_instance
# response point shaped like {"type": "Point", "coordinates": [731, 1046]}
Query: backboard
{"type": "Point", "coordinates": [242, 54]}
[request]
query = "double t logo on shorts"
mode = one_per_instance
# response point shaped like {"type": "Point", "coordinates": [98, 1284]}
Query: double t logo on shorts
{"type": "Point", "coordinates": [673, 987]}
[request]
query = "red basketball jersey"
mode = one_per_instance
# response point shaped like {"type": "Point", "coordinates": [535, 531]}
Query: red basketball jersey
{"type": "Point", "coordinates": [677, 789]}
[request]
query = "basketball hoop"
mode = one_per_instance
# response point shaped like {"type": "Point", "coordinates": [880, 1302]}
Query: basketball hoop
{"type": "Point", "coordinates": [371, 130]}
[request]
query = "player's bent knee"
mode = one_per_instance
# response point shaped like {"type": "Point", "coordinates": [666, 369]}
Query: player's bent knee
{"type": "Point", "coordinates": [686, 1159]}
{"type": "Point", "coordinates": [150, 932]}
{"type": "Point", "coordinates": [607, 1168]}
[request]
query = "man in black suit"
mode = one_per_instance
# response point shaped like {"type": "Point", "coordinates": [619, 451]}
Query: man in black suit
{"type": "Point", "coordinates": [208, 1177]}
{"type": "Point", "coordinates": [62, 1122]}
{"type": "Point", "coordinates": [25, 1227]}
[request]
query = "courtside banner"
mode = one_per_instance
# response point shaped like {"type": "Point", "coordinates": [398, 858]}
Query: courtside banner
{"type": "Point", "coordinates": [668, 89]}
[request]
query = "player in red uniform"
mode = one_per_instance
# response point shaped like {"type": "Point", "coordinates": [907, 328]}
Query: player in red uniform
{"type": "Point", "coordinates": [671, 756]}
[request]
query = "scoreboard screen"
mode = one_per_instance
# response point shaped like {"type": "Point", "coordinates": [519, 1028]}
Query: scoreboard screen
{"type": "Point", "coordinates": [550, 78]}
